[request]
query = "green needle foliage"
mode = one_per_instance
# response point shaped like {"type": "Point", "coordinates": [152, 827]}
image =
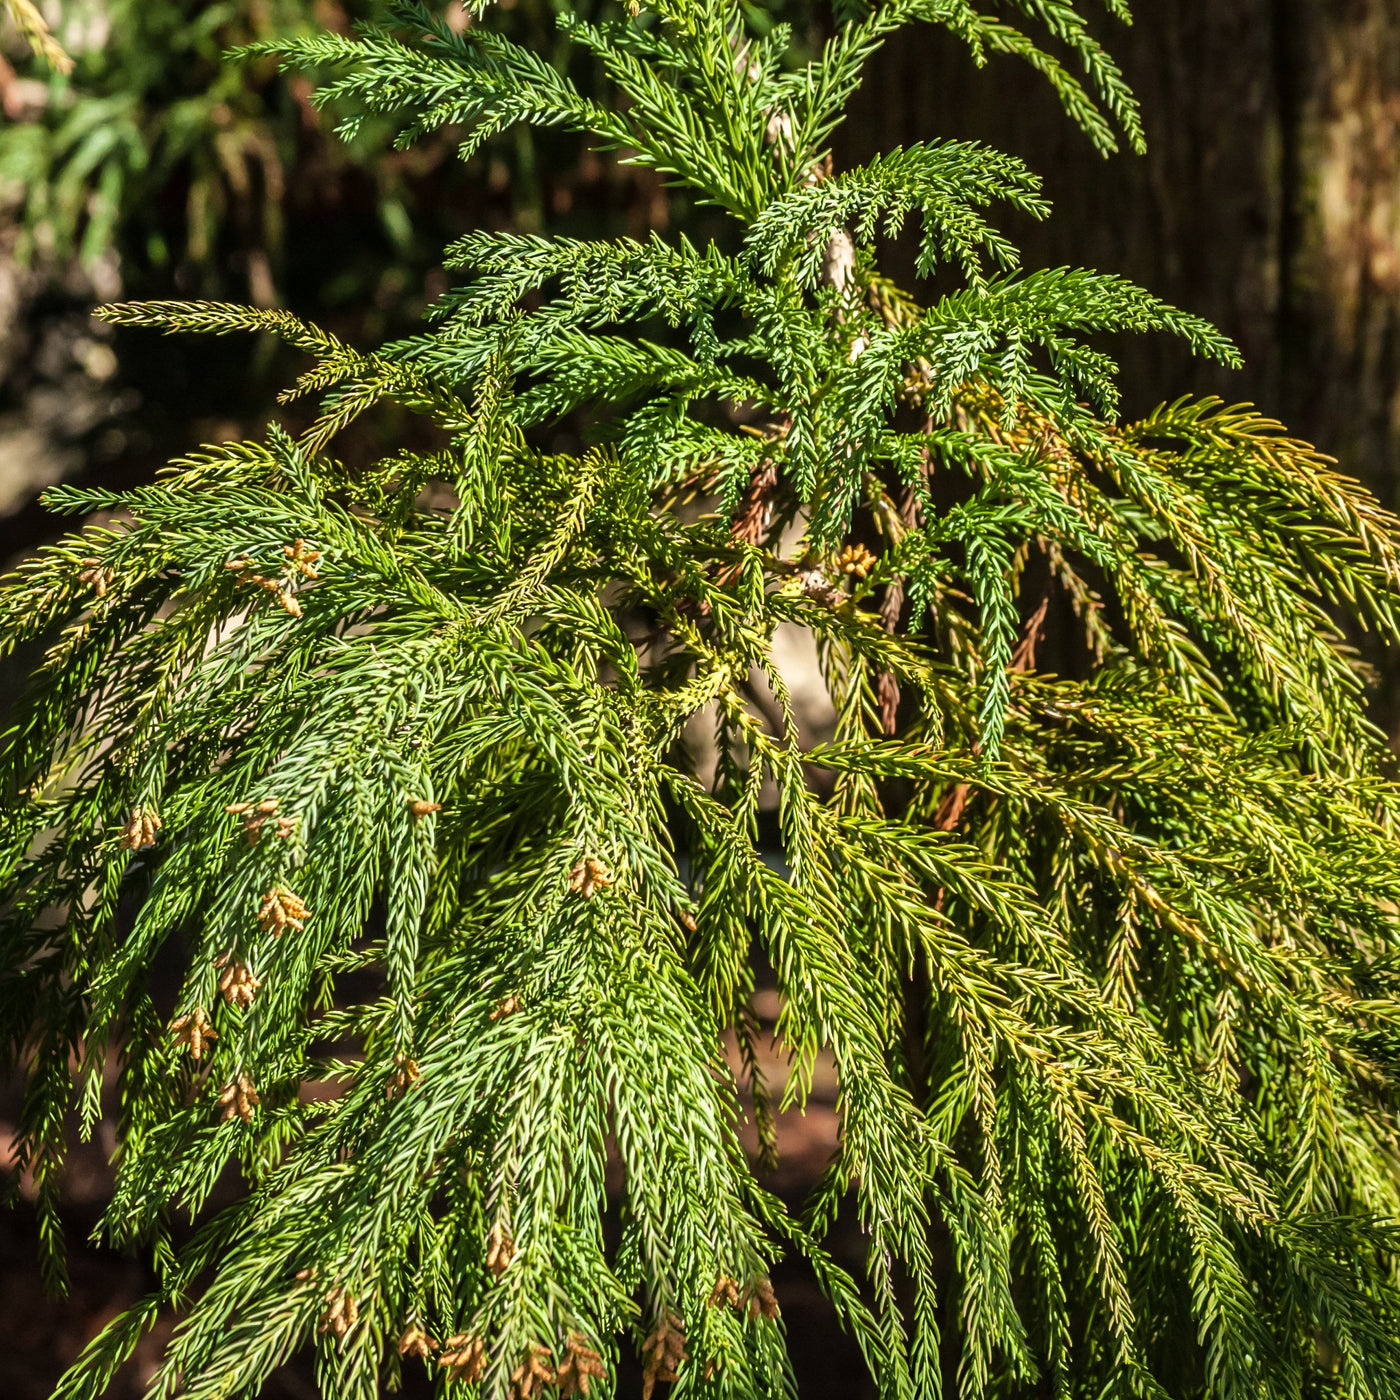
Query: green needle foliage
{"type": "Point", "coordinates": [414, 835]}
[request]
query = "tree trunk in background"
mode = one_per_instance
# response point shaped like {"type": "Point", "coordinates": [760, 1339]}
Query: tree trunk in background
{"type": "Point", "coordinates": [1339, 275]}
{"type": "Point", "coordinates": [1268, 201]}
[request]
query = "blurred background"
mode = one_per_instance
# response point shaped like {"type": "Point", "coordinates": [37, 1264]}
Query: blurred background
{"type": "Point", "coordinates": [1268, 201]}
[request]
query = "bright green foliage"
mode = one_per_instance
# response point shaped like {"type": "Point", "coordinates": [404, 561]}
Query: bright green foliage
{"type": "Point", "coordinates": [1107, 966]}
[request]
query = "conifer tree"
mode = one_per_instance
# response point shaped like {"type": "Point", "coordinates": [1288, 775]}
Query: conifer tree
{"type": "Point", "coordinates": [398, 763]}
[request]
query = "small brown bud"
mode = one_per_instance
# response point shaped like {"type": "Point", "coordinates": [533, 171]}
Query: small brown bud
{"type": "Point", "coordinates": [855, 559]}
{"type": "Point", "coordinates": [302, 557]}
{"type": "Point", "coordinates": [257, 814]}
{"type": "Point", "coordinates": [500, 1249]}
{"type": "Point", "coordinates": [403, 1077]}
{"type": "Point", "coordinates": [421, 808]}
{"type": "Point", "coordinates": [238, 986]}
{"type": "Point", "coordinates": [761, 1299]}
{"type": "Point", "coordinates": [276, 587]}
{"type": "Point", "coordinates": [589, 875]}
{"type": "Point", "coordinates": [94, 572]}
{"type": "Point", "coordinates": [508, 1006]}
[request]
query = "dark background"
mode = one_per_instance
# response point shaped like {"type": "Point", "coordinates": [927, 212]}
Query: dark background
{"type": "Point", "coordinates": [1268, 201]}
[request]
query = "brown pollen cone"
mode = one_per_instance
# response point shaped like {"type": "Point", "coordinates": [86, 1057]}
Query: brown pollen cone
{"type": "Point", "coordinates": [238, 1098]}
{"type": "Point", "coordinates": [464, 1358]}
{"type": "Point", "coordinates": [581, 1364]}
{"type": "Point", "coordinates": [533, 1373]}
{"type": "Point", "coordinates": [194, 1031]}
{"type": "Point", "coordinates": [588, 876]}
{"type": "Point", "coordinates": [414, 1341]}
{"type": "Point", "coordinates": [500, 1249]}
{"type": "Point", "coordinates": [662, 1353]}
{"type": "Point", "coordinates": [341, 1313]}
